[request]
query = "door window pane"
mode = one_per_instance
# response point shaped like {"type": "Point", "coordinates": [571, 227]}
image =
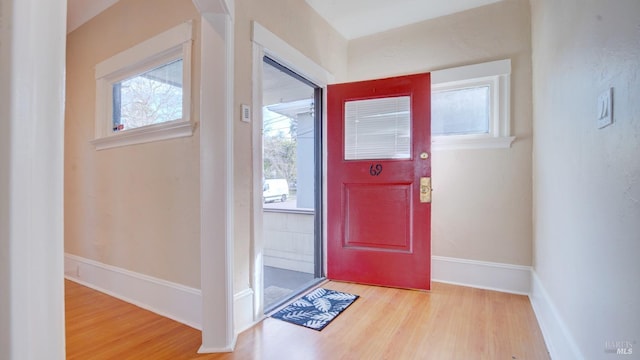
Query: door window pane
{"type": "Point", "coordinates": [460, 111]}
{"type": "Point", "coordinates": [378, 129]}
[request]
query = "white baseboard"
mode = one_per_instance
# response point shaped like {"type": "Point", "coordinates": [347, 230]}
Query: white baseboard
{"type": "Point", "coordinates": [508, 278]}
{"type": "Point", "coordinates": [204, 350]}
{"type": "Point", "coordinates": [174, 301]}
{"type": "Point", "coordinates": [243, 310]}
{"type": "Point", "coordinates": [184, 304]}
{"type": "Point", "coordinates": [560, 343]}
{"type": "Point", "coordinates": [171, 300]}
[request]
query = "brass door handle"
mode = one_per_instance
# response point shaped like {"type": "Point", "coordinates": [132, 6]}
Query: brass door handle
{"type": "Point", "coordinates": [425, 189]}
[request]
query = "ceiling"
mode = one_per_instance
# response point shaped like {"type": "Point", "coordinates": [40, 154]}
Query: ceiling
{"type": "Point", "coordinates": [352, 18]}
{"type": "Point", "coordinates": [357, 18]}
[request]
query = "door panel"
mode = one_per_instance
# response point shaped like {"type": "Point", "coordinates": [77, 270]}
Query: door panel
{"type": "Point", "coordinates": [378, 229]}
{"type": "Point", "coordinates": [386, 225]}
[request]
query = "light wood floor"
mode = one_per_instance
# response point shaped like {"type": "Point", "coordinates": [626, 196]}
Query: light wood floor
{"type": "Point", "coordinates": [450, 322]}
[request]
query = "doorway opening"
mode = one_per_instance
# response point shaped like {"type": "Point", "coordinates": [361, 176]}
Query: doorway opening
{"type": "Point", "coordinates": [292, 187]}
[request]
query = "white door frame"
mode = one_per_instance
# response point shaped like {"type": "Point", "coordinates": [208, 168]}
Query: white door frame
{"type": "Point", "coordinates": [267, 43]}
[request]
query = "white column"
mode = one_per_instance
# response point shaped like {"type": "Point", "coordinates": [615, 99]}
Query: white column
{"type": "Point", "coordinates": [32, 64]}
{"type": "Point", "coordinates": [216, 183]}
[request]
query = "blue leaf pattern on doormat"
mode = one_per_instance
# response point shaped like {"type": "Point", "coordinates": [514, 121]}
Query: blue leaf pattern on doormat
{"type": "Point", "coordinates": [319, 292]}
{"type": "Point", "coordinates": [315, 324]}
{"type": "Point", "coordinates": [322, 304]}
{"type": "Point", "coordinates": [298, 315]}
{"type": "Point", "coordinates": [340, 296]}
{"type": "Point", "coordinates": [325, 316]}
{"type": "Point", "coordinates": [339, 306]}
{"type": "Point", "coordinates": [301, 303]}
{"type": "Point", "coordinates": [316, 309]}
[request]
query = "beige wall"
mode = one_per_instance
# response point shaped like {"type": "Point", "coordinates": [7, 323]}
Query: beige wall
{"type": "Point", "coordinates": [297, 24]}
{"type": "Point", "coordinates": [135, 207]}
{"type": "Point", "coordinates": [482, 198]}
{"type": "Point", "coordinates": [587, 180]}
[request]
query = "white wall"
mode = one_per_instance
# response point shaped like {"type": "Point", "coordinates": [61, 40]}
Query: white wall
{"type": "Point", "coordinates": [481, 198]}
{"type": "Point", "coordinates": [31, 161]}
{"type": "Point", "coordinates": [587, 180]}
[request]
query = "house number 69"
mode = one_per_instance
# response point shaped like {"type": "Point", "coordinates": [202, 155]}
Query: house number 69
{"type": "Point", "coordinates": [375, 170]}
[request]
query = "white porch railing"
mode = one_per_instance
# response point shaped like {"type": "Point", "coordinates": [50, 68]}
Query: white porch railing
{"type": "Point", "coordinates": [289, 239]}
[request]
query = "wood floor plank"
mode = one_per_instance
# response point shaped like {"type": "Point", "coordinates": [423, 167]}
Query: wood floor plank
{"type": "Point", "coordinates": [449, 322]}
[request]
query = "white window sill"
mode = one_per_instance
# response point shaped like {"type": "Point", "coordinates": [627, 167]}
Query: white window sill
{"type": "Point", "coordinates": [466, 143]}
{"type": "Point", "coordinates": [145, 134]}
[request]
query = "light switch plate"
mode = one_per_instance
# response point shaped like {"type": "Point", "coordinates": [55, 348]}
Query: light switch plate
{"type": "Point", "coordinates": [605, 108]}
{"type": "Point", "coordinates": [246, 113]}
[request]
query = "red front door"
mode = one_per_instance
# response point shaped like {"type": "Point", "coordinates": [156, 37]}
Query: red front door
{"type": "Point", "coordinates": [378, 182]}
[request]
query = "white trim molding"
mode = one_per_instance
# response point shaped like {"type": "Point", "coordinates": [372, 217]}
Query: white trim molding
{"type": "Point", "coordinates": [496, 75]}
{"type": "Point", "coordinates": [267, 43]}
{"type": "Point", "coordinates": [289, 56]}
{"type": "Point", "coordinates": [215, 7]}
{"type": "Point", "coordinates": [515, 279]}
{"type": "Point", "coordinates": [466, 143]}
{"type": "Point", "coordinates": [243, 305]}
{"type": "Point", "coordinates": [174, 301]}
{"type": "Point", "coordinates": [173, 44]}
{"type": "Point", "coordinates": [557, 337]}
{"type": "Point", "coordinates": [482, 70]}
{"type": "Point", "coordinates": [150, 133]}
{"type": "Point", "coordinates": [257, 256]}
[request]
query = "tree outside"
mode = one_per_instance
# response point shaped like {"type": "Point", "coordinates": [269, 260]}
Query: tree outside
{"type": "Point", "coordinates": [279, 147]}
{"type": "Point", "coordinates": [149, 98]}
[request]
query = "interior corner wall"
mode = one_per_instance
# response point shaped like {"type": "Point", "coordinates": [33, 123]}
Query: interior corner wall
{"type": "Point", "coordinates": [135, 207]}
{"type": "Point", "coordinates": [587, 180]}
{"type": "Point", "coordinates": [301, 27]}
{"type": "Point", "coordinates": [482, 198]}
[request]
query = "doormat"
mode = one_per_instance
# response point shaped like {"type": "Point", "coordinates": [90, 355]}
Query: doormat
{"type": "Point", "coordinates": [316, 309]}
{"type": "Point", "coordinates": [274, 293]}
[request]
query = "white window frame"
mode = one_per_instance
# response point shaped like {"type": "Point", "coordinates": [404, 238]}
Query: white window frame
{"type": "Point", "coordinates": [496, 75]}
{"type": "Point", "coordinates": [171, 45]}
